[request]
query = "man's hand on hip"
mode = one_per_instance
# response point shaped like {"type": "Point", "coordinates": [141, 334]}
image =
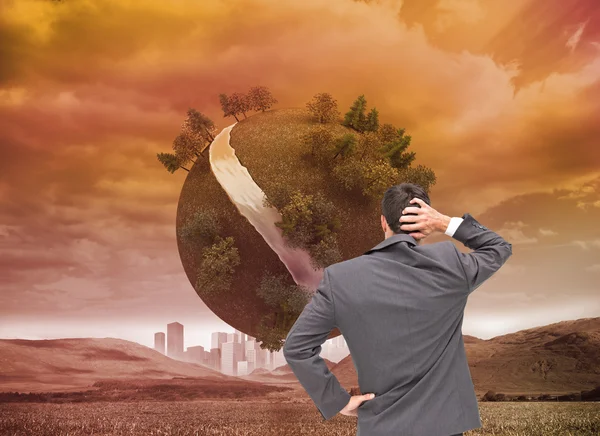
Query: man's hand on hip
{"type": "Point", "coordinates": [351, 409]}
{"type": "Point", "coordinates": [427, 221]}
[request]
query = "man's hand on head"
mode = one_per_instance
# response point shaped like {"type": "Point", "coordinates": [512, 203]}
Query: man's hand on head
{"type": "Point", "coordinates": [351, 409]}
{"type": "Point", "coordinates": [426, 221]}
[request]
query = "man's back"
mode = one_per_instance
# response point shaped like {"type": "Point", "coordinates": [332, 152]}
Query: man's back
{"type": "Point", "coordinates": [400, 309]}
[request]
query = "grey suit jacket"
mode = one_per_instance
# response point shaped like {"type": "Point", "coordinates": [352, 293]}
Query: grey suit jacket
{"type": "Point", "coordinates": [400, 309]}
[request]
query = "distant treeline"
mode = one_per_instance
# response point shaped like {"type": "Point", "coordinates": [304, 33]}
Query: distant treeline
{"type": "Point", "coordinates": [591, 395]}
{"type": "Point", "coordinates": [491, 396]}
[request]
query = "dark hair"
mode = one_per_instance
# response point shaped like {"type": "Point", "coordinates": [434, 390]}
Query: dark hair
{"type": "Point", "coordinates": [396, 198]}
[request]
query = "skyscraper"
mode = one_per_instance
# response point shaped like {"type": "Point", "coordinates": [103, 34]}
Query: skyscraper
{"type": "Point", "coordinates": [217, 338]}
{"type": "Point", "coordinates": [241, 337]}
{"type": "Point", "coordinates": [195, 354]}
{"type": "Point", "coordinates": [277, 359]}
{"type": "Point", "coordinates": [335, 349]}
{"type": "Point", "coordinates": [214, 358]}
{"type": "Point", "coordinates": [250, 354]}
{"type": "Point", "coordinates": [242, 368]}
{"type": "Point", "coordinates": [175, 340]}
{"type": "Point", "coordinates": [266, 359]}
{"type": "Point", "coordinates": [231, 354]}
{"type": "Point", "coordinates": [159, 342]}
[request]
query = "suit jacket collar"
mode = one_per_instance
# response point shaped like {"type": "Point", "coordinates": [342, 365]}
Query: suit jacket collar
{"type": "Point", "coordinates": [394, 239]}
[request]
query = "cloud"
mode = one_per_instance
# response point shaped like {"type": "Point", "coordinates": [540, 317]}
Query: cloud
{"type": "Point", "coordinates": [584, 191]}
{"type": "Point", "coordinates": [574, 39]}
{"type": "Point", "coordinates": [458, 12]}
{"type": "Point", "coordinates": [587, 245]}
{"type": "Point", "coordinates": [83, 114]}
{"type": "Point", "coordinates": [513, 270]}
{"type": "Point", "coordinates": [513, 232]}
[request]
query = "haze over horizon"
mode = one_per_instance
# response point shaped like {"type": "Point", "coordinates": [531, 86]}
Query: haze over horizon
{"type": "Point", "coordinates": [502, 102]}
{"type": "Point", "coordinates": [193, 335]}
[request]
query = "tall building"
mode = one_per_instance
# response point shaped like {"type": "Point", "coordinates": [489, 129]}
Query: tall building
{"type": "Point", "coordinates": [242, 368]}
{"type": "Point", "coordinates": [259, 356]}
{"type": "Point", "coordinates": [263, 358]}
{"type": "Point", "coordinates": [335, 349]}
{"type": "Point", "coordinates": [217, 338]}
{"type": "Point", "coordinates": [231, 354]}
{"type": "Point", "coordinates": [231, 337]}
{"type": "Point", "coordinates": [175, 340]}
{"type": "Point", "coordinates": [159, 342]}
{"type": "Point", "coordinates": [250, 354]}
{"type": "Point", "coordinates": [195, 354]}
{"type": "Point", "coordinates": [277, 359]}
{"type": "Point", "coordinates": [214, 358]}
{"type": "Point", "coordinates": [241, 337]}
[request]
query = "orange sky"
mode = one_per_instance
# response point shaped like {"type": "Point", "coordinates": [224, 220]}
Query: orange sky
{"type": "Point", "coordinates": [502, 100]}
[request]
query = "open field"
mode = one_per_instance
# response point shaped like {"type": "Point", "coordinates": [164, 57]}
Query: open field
{"type": "Point", "coordinates": [267, 418]}
{"type": "Point", "coordinates": [183, 389]}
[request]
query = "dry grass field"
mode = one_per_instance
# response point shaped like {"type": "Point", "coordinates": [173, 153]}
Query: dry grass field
{"type": "Point", "coordinates": [267, 418]}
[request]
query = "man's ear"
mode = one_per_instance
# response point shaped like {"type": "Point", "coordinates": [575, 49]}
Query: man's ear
{"type": "Point", "coordinates": [384, 225]}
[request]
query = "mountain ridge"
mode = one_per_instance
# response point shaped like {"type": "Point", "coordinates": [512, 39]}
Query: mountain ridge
{"type": "Point", "coordinates": [557, 358]}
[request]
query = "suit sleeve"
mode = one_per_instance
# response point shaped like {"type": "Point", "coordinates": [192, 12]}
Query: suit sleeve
{"type": "Point", "coordinates": [490, 251]}
{"type": "Point", "coordinates": [302, 350]}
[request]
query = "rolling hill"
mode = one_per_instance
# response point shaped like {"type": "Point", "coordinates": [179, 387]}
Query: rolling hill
{"type": "Point", "coordinates": [65, 364]}
{"type": "Point", "coordinates": [559, 358]}
{"type": "Point", "coordinates": [285, 369]}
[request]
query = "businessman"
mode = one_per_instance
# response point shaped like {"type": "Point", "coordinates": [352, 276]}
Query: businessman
{"type": "Point", "coordinates": [400, 308]}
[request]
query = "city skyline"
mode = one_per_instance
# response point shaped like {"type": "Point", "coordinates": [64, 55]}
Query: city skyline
{"type": "Point", "coordinates": [233, 353]}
